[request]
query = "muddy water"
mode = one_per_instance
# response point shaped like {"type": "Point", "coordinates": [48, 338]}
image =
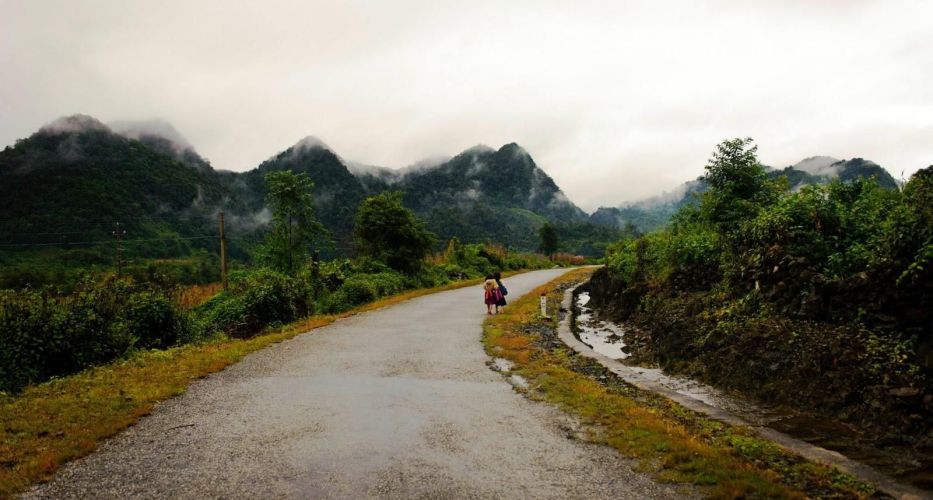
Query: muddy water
{"type": "Point", "coordinates": [902, 461]}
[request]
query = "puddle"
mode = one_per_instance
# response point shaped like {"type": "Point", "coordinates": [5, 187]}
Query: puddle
{"type": "Point", "coordinates": [903, 462]}
{"type": "Point", "coordinates": [603, 337]}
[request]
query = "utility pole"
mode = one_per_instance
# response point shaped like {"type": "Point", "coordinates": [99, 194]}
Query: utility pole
{"type": "Point", "coordinates": [223, 252]}
{"type": "Point", "coordinates": [119, 233]}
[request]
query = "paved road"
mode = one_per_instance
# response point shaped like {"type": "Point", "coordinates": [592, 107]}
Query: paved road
{"type": "Point", "coordinates": [393, 403]}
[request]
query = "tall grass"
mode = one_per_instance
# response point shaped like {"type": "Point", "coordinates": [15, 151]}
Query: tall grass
{"type": "Point", "coordinates": [189, 297]}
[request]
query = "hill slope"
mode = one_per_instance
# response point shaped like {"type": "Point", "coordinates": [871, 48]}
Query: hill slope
{"type": "Point", "coordinates": [77, 176]}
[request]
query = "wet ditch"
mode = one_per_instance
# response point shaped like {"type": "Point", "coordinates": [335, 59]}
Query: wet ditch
{"type": "Point", "coordinates": [901, 462]}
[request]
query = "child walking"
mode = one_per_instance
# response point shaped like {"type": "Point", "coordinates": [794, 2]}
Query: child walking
{"type": "Point", "coordinates": [502, 291]}
{"type": "Point", "coordinates": [491, 293]}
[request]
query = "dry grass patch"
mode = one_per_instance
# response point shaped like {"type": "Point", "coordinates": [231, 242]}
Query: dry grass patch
{"type": "Point", "coordinates": [192, 296]}
{"type": "Point", "coordinates": [673, 443]}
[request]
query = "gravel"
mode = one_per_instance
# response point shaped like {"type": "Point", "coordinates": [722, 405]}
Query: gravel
{"type": "Point", "coordinates": [394, 403]}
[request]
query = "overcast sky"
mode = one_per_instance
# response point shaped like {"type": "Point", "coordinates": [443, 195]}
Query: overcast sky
{"type": "Point", "coordinates": [616, 100]}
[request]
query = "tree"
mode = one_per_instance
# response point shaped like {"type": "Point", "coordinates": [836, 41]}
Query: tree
{"type": "Point", "coordinates": [549, 240]}
{"type": "Point", "coordinates": [296, 232]}
{"type": "Point", "coordinates": [390, 233]}
{"type": "Point", "coordinates": [738, 185]}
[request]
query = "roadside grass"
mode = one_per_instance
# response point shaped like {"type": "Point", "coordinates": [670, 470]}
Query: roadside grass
{"type": "Point", "coordinates": [52, 423]}
{"type": "Point", "coordinates": [673, 443]}
{"type": "Point", "coordinates": [191, 296]}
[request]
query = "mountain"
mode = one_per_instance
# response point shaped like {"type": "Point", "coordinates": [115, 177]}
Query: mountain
{"type": "Point", "coordinates": [486, 194]}
{"type": "Point", "coordinates": [67, 184]}
{"type": "Point", "coordinates": [163, 137]}
{"type": "Point", "coordinates": [823, 169]}
{"type": "Point", "coordinates": [481, 194]}
{"type": "Point", "coordinates": [70, 181]}
{"type": "Point", "coordinates": [76, 170]}
{"type": "Point", "coordinates": [507, 177]}
{"type": "Point", "coordinates": [337, 192]}
{"type": "Point", "coordinates": [652, 213]}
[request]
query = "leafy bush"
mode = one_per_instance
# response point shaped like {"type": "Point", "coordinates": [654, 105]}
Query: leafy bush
{"type": "Point", "coordinates": [363, 288]}
{"type": "Point", "coordinates": [691, 257]}
{"type": "Point", "coordinates": [256, 298]}
{"type": "Point", "coordinates": [154, 320]}
{"type": "Point", "coordinates": [43, 335]}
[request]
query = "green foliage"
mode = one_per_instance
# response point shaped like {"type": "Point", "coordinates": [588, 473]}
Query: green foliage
{"type": "Point", "coordinates": [390, 233]}
{"type": "Point", "coordinates": [836, 277]}
{"type": "Point", "coordinates": [738, 185]}
{"type": "Point", "coordinates": [295, 229]}
{"type": "Point", "coordinates": [43, 335]}
{"type": "Point", "coordinates": [364, 288]}
{"type": "Point", "coordinates": [837, 227]}
{"type": "Point", "coordinates": [549, 239]}
{"type": "Point", "coordinates": [691, 256]}
{"type": "Point", "coordinates": [256, 298]}
{"type": "Point", "coordinates": [911, 227]}
{"type": "Point", "coordinates": [838, 252]}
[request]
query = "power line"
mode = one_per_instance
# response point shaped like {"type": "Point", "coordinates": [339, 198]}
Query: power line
{"type": "Point", "coordinates": [106, 220]}
{"type": "Point", "coordinates": [106, 241]}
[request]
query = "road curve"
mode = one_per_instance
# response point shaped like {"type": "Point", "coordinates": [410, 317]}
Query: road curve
{"type": "Point", "coordinates": [394, 403]}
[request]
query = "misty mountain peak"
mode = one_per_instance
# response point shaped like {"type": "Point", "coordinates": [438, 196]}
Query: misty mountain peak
{"type": "Point", "coordinates": [158, 128]}
{"type": "Point", "coordinates": [310, 142]}
{"type": "Point", "coordinates": [819, 165]}
{"type": "Point", "coordinates": [425, 164]}
{"type": "Point", "coordinates": [478, 150]}
{"type": "Point", "coordinates": [74, 123]}
{"type": "Point", "coordinates": [513, 148]}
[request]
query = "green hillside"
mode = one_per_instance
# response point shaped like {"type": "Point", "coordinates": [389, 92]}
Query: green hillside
{"type": "Point", "coordinates": [70, 186]}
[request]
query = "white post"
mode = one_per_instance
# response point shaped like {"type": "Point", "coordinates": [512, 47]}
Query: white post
{"type": "Point", "coordinates": [544, 305]}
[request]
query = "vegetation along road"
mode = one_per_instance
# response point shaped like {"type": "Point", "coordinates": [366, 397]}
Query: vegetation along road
{"type": "Point", "coordinates": [397, 402]}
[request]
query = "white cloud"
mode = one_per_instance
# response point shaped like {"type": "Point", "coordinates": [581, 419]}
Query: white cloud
{"type": "Point", "coordinates": [616, 101]}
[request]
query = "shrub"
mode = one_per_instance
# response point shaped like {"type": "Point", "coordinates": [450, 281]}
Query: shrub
{"type": "Point", "coordinates": [154, 320]}
{"type": "Point", "coordinates": [43, 335]}
{"type": "Point", "coordinates": [256, 298]}
{"type": "Point", "coordinates": [690, 257]}
{"type": "Point", "coordinates": [363, 288]}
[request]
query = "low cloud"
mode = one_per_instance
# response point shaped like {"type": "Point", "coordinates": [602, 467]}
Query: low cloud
{"type": "Point", "coordinates": [74, 123]}
{"type": "Point", "coordinates": [157, 128]}
{"type": "Point", "coordinates": [615, 101]}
